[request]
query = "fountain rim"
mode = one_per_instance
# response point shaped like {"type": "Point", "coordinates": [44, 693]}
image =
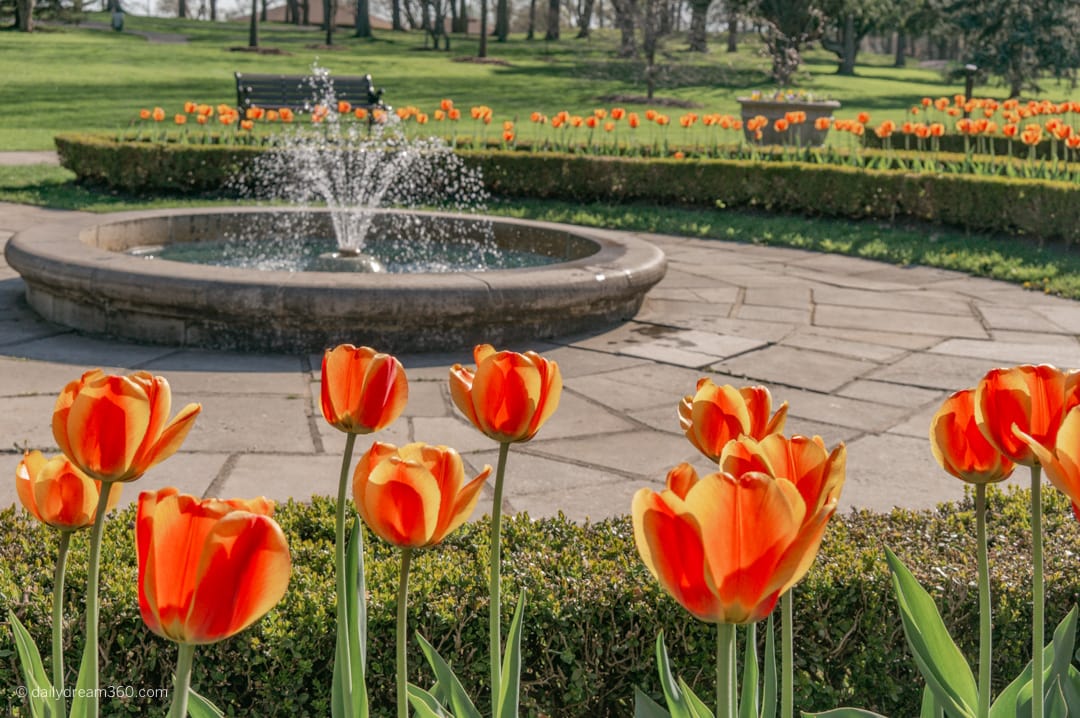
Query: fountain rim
{"type": "Point", "coordinates": [72, 282]}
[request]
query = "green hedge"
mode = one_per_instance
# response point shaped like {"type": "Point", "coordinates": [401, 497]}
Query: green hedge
{"type": "Point", "coordinates": [1042, 209]}
{"type": "Point", "coordinates": [592, 617]}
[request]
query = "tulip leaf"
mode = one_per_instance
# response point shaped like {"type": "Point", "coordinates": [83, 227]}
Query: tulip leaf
{"type": "Point", "coordinates": [676, 702]}
{"type": "Point", "coordinates": [698, 709]}
{"type": "Point", "coordinates": [356, 612]}
{"type": "Point", "coordinates": [939, 660]}
{"type": "Point", "coordinates": [768, 688]}
{"type": "Point", "coordinates": [749, 701]}
{"type": "Point", "coordinates": [84, 702]}
{"type": "Point", "coordinates": [1070, 687]}
{"type": "Point", "coordinates": [844, 713]}
{"type": "Point", "coordinates": [930, 708]}
{"type": "Point", "coordinates": [510, 689]}
{"type": "Point", "coordinates": [1015, 700]}
{"type": "Point", "coordinates": [447, 689]}
{"type": "Point", "coordinates": [1055, 706]}
{"type": "Point", "coordinates": [38, 685]}
{"type": "Point", "coordinates": [424, 704]}
{"type": "Point", "coordinates": [645, 707]}
{"type": "Point", "coordinates": [199, 707]}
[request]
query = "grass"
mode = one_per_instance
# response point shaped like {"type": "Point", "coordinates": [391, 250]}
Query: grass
{"type": "Point", "coordinates": [66, 78]}
{"type": "Point", "coordinates": [1051, 268]}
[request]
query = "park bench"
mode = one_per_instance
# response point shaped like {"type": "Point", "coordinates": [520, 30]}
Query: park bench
{"type": "Point", "coordinates": [300, 93]}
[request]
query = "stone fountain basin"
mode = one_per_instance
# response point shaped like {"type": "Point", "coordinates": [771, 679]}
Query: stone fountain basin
{"type": "Point", "coordinates": [77, 275]}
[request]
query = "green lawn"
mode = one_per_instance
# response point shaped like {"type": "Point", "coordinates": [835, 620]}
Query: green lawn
{"type": "Point", "coordinates": [70, 78]}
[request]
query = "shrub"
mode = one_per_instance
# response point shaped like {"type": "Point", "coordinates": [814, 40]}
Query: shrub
{"type": "Point", "coordinates": [1039, 208]}
{"type": "Point", "coordinates": [592, 615]}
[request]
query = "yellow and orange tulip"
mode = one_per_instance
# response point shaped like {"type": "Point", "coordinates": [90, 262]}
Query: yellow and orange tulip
{"type": "Point", "coordinates": [715, 415]}
{"type": "Point", "coordinates": [114, 427]}
{"type": "Point", "coordinates": [721, 545]}
{"type": "Point", "coordinates": [960, 447]}
{"type": "Point", "coordinates": [1061, 460]}
{"type": "Point", "coordinates": [208, 568]}
{"type": "Point", "coordinates": [362, 390]}
{"type": "Point", "coordinates": [414, 496]}
{"type": "Point", "coordinates": [56, 493]}
{"type": "Point", "coordinates": [1034, 399]}
{"type": "Point", "coordinates": [510, 395]}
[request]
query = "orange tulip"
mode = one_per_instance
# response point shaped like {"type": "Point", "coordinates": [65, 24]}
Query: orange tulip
{"type": "Point", "coordinates": [863, 117]}
{"type": "Point", "coordinates": [510, 395]}
{"type": "Point", "coordinates": [821, 123]}
{"type": "Point", "coordinates": [190, 107]}
{"type": "Point", "coordinates": [618, 113]}
{"type": "Point", "coordinates": [715, 415]}
{"type": "Point", "coordinates": [246, 125]}
{"type": "Point", "coordinates": [416, 495]}
{"type": "Point", "coordinates": [113, 427]}
{"type": "Point", "coordinates": [1061, 459]}
{"type": "Point", "coordinates": [780, 125]}
{"type": "Point", "coordinates": [1029, 400]}
{"type": "Point", "coordinates": [158, 114]}
{"type": "Point", "coordinates": [208, 568]}
{"type": "Point", "coordinates": [609, 126]}
{"type": "Point", "coordinates": [56, 493]}
{"type": "Point", "coordinates": [180, 119]}
{"type": "Point", "coordinates": [362, 390]}
{"type": "Point", "coordinates": [960, 447]}
{"type": "Point", "coordinates": [721, 545]}
{"type": "Point", "coordinates": [633, 120]}
{"type": "Point", "coordinates": [344, 107]}
{"type": "Point", "coordinates": [286, 114]}
{"type": "Point", "coordinates": [446, 105]}
{"type": "Point", "coordinates": [144, 114]}
{"type": "Point", "coordinates": [679, 155]}
{"type": "Point", "coordinates": [454, 113]}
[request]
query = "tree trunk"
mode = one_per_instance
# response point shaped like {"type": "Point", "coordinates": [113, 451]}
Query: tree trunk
{"type": "Point", "coordinates": [732, 31]}
{"type": "Point", "coordinates": [24, 15]}
{"type": "Point", "coordinates": [600, 14]}
{"type": "Point", "coordinates": [463, 17]}
{"type": "Point", "coordinates": [213, 10]}
{"type": "Point", "coordinates": [502, 20]}
{"type": "Point", "coordinates": [699, 13]}
{"type": "Point", "coordinates": [263, 12]}
{"type": "Point", "coordinates": [901, 50]}
{"type": "Point", "coordinates": [847, 61]}
{"type": "Point", "coordinates": [585, 12]}
{"type": "Point", "coordinates": [553, 21]}
{"type": "Point", "coordinates": [454, 23]}
{"type": "Point", "coordinates": [306, 15]}
{"type": "Point", "coordinates": [253, 28]}
{"type": "Point", "coordinates": [363, 19]}
{"type": "Point", "coordinates": [330, 13]}
{"type": "Point", "coordinates": [625, 10]}
{"type": "Point", "coordinates": [395, 16]}
{"type": "Point", "coordinates": [425, 23]}
{"type": "Point", "coordinates": [181, 9]}
{"type": "Point", "coordinates": [482, 50]}
{"type": "Point", "coordinates": [532, 21]}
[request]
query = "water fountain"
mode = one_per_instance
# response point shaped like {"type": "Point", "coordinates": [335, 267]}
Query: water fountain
{"type": "Point", "coordinates": [451, 279]}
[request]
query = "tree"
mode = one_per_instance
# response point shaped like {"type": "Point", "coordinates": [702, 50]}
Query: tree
{"type": "Point", "coordinates": [502, 20]}
{"type": "Point", "coordinates": [848, 22]}
{"type": "Point", "coordinates": [626, 18]}
{"type": "Point", "coordinates": [553, 21]}
{"type": "Point", "coordinates": [653, 28]}
{"type": "Point", "coordinates": [329, 16]}
{"type": "Point", "coordinates": [584, 13]}
{"type": "Point", "coordinates": [1020, 41]}
{"type": "Point", "coordinates": [482, 51]}
{"type": "Point", "coordinates": [787, 26]}
{"type": "Point", "coordinates": [363, 19]}
{"type": "Point", "coordinates": [253, 27]}
{"type": "Point", "coordinates": [699, 14]}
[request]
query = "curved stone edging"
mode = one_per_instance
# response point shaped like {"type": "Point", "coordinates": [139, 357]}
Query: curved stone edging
{"type": "Point", "coordinates": [73, 279]}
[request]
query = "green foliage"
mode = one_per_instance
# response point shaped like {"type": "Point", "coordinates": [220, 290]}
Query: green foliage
{"type": "Point", "coordinates": [590, 625]}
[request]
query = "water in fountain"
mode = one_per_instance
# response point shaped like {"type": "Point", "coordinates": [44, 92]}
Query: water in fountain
{"type": "Point", "coordinates": [352, 166]}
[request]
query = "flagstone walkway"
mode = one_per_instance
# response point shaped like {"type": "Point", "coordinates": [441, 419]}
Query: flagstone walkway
{"type": "Point", "coordinates": [863, 352]}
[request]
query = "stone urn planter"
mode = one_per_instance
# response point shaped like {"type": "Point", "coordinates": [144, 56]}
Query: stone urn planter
{"type": "Point", "coordinates": [803, 134]}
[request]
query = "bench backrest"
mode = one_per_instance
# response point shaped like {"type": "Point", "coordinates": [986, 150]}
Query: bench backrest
{"type": "Point", "coordinates": [300, 93]}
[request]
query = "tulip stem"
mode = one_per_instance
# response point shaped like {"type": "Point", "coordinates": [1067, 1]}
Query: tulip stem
{"type": "Point", "coordinates": [494, 621]}
{"type": "Point", "coordinates": [985, 633]}
{"type": "Point", "coordinates": [402, 624]}
{"type": "Point", "coordinates": [343, 654]}
{"type": "Point", "coordinates": [182, 680]}
{"type": "Point", "coordinates": [60, 704]}
{"type": "Point", "coordinates": [725, 671]}
{"type": "Point", "coordinates": [787, 655]}
{"type": "Point", "coordinates": [93, 570]}
{"type": "Point", "coordinates": [1037, 591]}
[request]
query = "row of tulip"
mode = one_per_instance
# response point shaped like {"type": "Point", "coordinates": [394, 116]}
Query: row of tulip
{"type": "Point", "coordinates": [727, 546]}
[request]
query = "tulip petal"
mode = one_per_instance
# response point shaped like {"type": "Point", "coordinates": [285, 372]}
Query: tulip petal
{"type": "Point", "coordinates": [681, 479]}
{"type": "Point", "coordinates": [462, 506]}
{"type": "Point", "coordinates": [401, 503]}
{"type": "Point", "coordinates": [246, 558]}
{"type": "Point", "coordinates": [1062, 462]}
{"type": "Point", "coordinates": [507, 389]}
{"type": "Point", "coordinates": [106, 424]}
{"type": "Point", "coordinates": [25, 473]}
{"type": "Point", "coordinates": [670, 544]}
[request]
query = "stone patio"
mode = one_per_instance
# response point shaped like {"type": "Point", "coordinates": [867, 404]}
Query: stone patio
{"type": "Point", "coordinates": [863, 352]}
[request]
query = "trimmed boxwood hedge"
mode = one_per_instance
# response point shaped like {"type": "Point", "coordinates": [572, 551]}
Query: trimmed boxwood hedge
{"type": "Point", "coordinates": [592, 615]}
{"type": "Point", "coordinates": [1042, 209]}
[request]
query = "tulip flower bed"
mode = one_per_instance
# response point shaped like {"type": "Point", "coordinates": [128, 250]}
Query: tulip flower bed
{"type": "Point", "coordinates": [1048, 209]}
{"type": "Point", "coordinates": [592, 616]}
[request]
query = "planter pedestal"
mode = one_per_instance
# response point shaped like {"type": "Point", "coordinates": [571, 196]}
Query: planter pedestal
{"type": "Point", "coordinates": [803, 134]}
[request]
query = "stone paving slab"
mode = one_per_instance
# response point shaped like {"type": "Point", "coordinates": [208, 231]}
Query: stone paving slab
{"type": "Point", "coordinates": [863, 352]}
